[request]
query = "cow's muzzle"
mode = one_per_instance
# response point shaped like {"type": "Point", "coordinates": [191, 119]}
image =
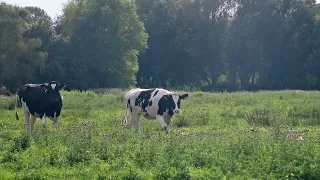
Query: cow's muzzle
{"type": "Point", "coordinates": [176, 111]}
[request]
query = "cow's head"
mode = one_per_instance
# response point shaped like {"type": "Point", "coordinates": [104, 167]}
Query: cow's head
{"type": "Point", "coordinates": [52, 90]}
{"type": "Point", "coordinates": [174, 100]}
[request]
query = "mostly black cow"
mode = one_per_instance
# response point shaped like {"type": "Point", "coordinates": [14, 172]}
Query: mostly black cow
{"type": "Point", "coordinates": [159, 104]}
{"type": "Point", "coordinates": [40, 101]}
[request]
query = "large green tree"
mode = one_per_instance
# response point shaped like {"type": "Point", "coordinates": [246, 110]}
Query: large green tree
{"type": "Point", "coordinates": [20, 57]}
{"type": "Point", "coordinates": [105, 38]}
{"type": "Point", "coordinates": [186, 41]}
{"type": "Point", "coordinates": [156, 63]}
{"type": "Point", "coordinates": [270, 43]}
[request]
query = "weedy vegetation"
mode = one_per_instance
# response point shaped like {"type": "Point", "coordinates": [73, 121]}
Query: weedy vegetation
{"type": "Point", "coordinates": [262, 135]}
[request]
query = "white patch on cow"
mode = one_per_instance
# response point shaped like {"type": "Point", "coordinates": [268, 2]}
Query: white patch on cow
{"type": "Point", "coordinates": [22, 101]}
{"type": "Point", "coordinates": [44, 122]}
{"type": "Point", "coordinates": [26, 115]}
{"type": "Point", "coordinates": [175, 98]}
{"type": "Point", "coordinates": [53, 85]}
{"type": "Point", "coordinates": [61, 97]}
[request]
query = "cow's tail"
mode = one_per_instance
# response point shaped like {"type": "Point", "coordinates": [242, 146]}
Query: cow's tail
{"type": "Point", "coordinates": [16, 106]}
{"type": "Point", "coordinates": [125, 120]}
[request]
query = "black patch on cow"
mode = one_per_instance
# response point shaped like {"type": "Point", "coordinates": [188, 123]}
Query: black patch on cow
{"type": "Point", "coordinates": [150, 103]}
{"type": "Point", "coordinates": [170, 112]}
{"type": "Point", "coordinates": [184, 96]}
{"type": "Point", "coordinates": [155, 93]}
{"type": "Point", "coordinates": [143, 99]}
{"type": "Point", "coordinates": [178, 103]}
{"type": "Point", "coordinates": [166, 102]}
{"type": "Point", "coordinates": [128, 105]}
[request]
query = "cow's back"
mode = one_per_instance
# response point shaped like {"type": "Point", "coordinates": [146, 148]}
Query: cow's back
{"type": "Point", "coordinates": [133, 93]}
{"type": "Point", "coordinates": [145, 101]}
{"type": "Point", "coordinates": [31, 96]}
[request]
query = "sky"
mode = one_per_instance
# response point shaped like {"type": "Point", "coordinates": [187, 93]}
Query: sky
{"type": "Point", "coordinates": [52, 7]}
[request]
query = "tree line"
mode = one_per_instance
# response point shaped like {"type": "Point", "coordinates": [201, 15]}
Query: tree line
{"type": "Point", "coordinates": [208, 44]}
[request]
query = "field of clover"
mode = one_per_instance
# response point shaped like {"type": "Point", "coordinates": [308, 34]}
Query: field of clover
{"type": "Point", "coordinates": [242, 135]}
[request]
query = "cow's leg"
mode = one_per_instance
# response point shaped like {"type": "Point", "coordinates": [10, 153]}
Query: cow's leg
{"type": "Point", "coordinates": [126, 119]}
{"type": "Point", "coordinates": [56, 120]}
{"type": "Point", "coordinates": [135, 121]}
{"type": "Point", "coordinates": [32, 122]}
{"type": "Point", "coordinates": [16, 106]}
{"type": "Point", "coordinates": [43, 118]}
{"type": "Point", "coordinates": [27, 117]}
{"type": "Point", "coordinates": [163, 123]}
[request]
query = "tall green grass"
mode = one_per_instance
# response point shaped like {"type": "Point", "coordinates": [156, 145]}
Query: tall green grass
{"type": "Point", "coordinates": [263, 135]}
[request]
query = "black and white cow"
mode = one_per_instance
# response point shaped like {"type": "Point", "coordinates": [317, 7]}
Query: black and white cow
{"type": "Point", "coordinates": [40, 101]}
{"type": "Point", "coordinates": [159, 104]}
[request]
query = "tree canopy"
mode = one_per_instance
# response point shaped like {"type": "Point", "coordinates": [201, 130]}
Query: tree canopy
{"type": "Point", "coordinates": [211, 45]}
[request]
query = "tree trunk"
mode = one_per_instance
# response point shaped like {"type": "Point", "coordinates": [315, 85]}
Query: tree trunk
{"type": "Point", "coordinates": [253, 77]}
{"type": "Point", "coordinates": [232, 83]}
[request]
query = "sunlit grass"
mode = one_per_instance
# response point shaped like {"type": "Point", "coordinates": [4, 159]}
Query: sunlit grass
{"type": "Point", "coordinates": [218, 136]}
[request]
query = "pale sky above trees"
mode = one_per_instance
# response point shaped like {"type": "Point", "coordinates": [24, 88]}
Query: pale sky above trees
{"type": "Point", "coordinates": [52, 7]}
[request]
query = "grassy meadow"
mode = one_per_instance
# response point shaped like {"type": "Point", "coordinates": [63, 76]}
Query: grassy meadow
{"type": "Point", "coordinates": [262, 135]}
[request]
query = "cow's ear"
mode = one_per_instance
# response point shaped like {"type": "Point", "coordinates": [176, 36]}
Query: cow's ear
{"type": "Point", "coordinates": [184, 96]}
{"type": "Point", "coordinates": [62, 86]}
{"type": "Point", "coordinates": [66, 87]}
